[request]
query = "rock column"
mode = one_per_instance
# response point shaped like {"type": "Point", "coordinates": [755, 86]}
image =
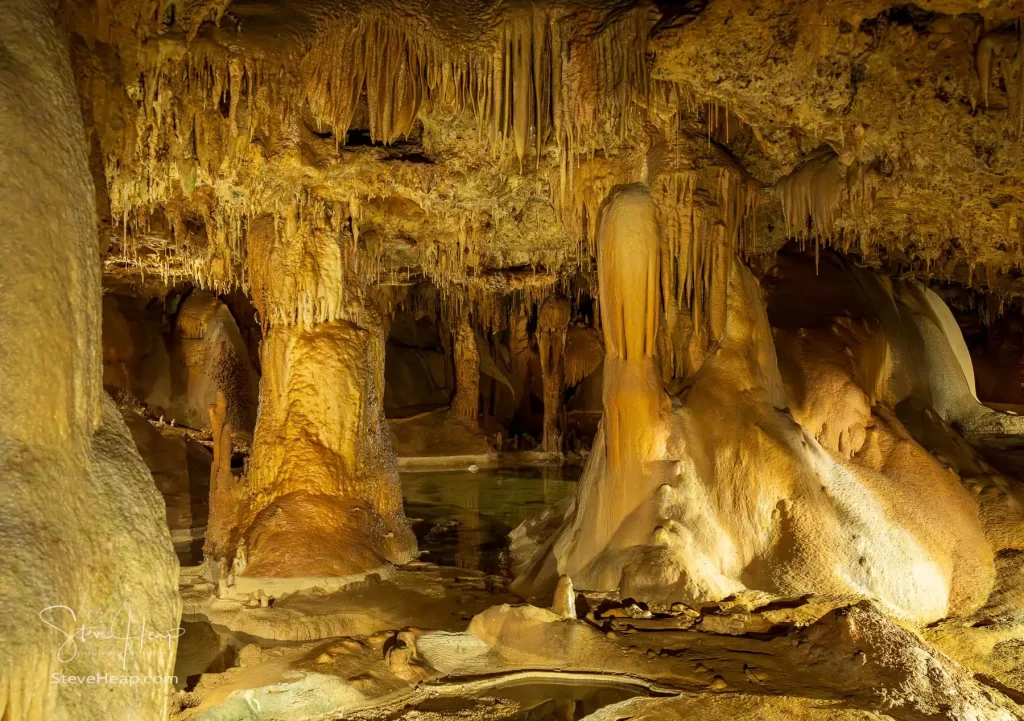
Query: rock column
{"type": "Point", "coordinates": [82, 521]}
{"type": "Point", "coordinates": [635, 406]}
{"type": "Point", "coordinates": [220, 526]}
{"type": "Point", "coordinates": [324, 498]}
{"type": "Point", "coordinates": [465, 404]}
{"type": "Point", "coordinates": [552, 322]}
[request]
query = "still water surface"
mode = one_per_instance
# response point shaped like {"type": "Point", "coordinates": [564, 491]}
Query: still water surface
{"type": "Point", "coordinates": [463, 519]}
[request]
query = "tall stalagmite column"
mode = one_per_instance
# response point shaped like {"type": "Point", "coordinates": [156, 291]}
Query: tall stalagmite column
{"type": "Point", "coordinates": [552, 322]}
{"type": "Point", "coordinates": [222, 516]}
{"type": "Point", "coordinates": [324, 498]}
{"type": "Point", "coordinates": [81, 521]}
{"type": "Point", "coordinates": [624, 469]}
{"type": "Point", "coordinates": [466, 403]}
{"type": "Point", "coordinates": [628, 257]}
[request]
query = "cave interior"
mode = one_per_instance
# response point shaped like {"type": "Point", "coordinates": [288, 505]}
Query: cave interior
{"type": "Point", "coordinates": [506, 361]}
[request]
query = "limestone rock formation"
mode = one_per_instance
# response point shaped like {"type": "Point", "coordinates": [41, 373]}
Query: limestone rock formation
{"type": "Point", "coordinates": [177, 374]}
{"type": "Point", "coordinates": [465, 404]}
{"type": "Point", "coordinates": [417, 373]}
{"type": "Point", "coordinates": [225, 494]}
{"type": "Point", "coordinates": [757, 264]}
{"type": "Point", "coordinates": [82, 522]}
{"type": "Point", "coordinates": [208, 352]}
{"type": "Point", "coordinates": [807, 481]}
{"type": "Point", "coordinates": [180, 467]}
{"type": "Point", "coordinates": [325, 498]}
{"type": "Point", "coordinates": [552, 323]}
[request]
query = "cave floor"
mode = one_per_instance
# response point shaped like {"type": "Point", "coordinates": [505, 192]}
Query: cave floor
{"type": "Point", "coordinates": [434, 642]}
{"type": "Point", "coordinates": [443, 638]}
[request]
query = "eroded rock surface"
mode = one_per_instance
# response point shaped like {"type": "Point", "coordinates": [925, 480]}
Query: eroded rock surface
{"type": "Point", "coordinates": [721, 227]}
{"type": "Point", "coordinates": [82, 524]}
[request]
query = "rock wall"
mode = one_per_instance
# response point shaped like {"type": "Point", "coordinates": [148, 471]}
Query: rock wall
{"type": "Point", "coordinates": [174, 363]}
{"type": "Point", "coordinates": [82, 522]}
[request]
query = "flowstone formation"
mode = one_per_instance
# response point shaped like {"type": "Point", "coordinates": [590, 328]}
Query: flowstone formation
{"type": "Point", "coordinates": [321, 498]}
{"type": "Point", "coordinates": [781, 465]}
{"type": "Point", "coordinates": [323, 474]}
{"type": "Point", "coordinates": [82, 522]}
{"type": "Point", "coordinates": [742, 262]}
{"type": "Point", "coordinates": [552, 320]}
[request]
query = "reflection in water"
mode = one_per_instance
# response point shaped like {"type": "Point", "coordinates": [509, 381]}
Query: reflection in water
{"type": "Point", "coordinates": [551, 701]}
{"type": "Point", "coordinates": [463, 519]}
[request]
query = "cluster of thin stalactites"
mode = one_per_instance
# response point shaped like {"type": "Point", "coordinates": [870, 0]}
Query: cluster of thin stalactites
{"type": "Point", "coordinates": [540, 87]}
{"type": "Point", "coordinates": [200, 107]}
{"type": "Point", "coordinates": [536, 83]}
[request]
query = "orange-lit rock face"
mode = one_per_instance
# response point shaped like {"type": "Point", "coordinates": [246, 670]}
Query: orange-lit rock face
{"type": "Point", "coordinates": [586, 201]}
{"type": "Point", "coordinates": [323, 495]}
{"type": "Point", "coordinates": [467, 375]}
{"type": "Point", "coordinates": [215, 359]}
{"type": "Point", "coordinates": [83, 523]}
{"type": "Point", "coordinates": [552, 322]}
{"type": "Point", "coordinates": [176, 372]}
{"type": "Point", "coordinates": [729, 487]}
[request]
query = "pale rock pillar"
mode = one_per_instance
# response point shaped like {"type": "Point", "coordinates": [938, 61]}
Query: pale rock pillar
{"type": "Point", "coordinates": [552, 322]}
{"type": "Point", "coordinates": [81, 521]}
{"type": "Point", "coordinates": [624, 469]}
{"type": "Point", "coordinates": [635, 406]}
{"type": "Point", "coordinates": [220, 525]}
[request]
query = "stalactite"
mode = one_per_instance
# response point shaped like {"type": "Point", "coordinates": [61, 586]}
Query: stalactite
{"type": "Point", "coordinates": [1003, 49]}
{"type": "Point", "coordinates": [707, 212]}
{"type": "Point", "coordinates": [583, 353]}
{"type": "Point", "coordinates": [570, 80]}
{"type": "Point", "coordinates": [519, 343]}
{"type": "Point", "coordinates": [811, 195]}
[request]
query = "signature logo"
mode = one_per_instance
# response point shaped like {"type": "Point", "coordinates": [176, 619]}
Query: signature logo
{"type": "Point", "coordinates": [127, 634]}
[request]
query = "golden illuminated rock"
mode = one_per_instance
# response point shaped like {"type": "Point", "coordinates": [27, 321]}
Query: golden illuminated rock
{"type": "Point", "coordinates": [323, 495]}
{"type": "Point", "coordinates": [552, 320]}
{"type": "Point", "coordinates": [755, 265]}
{"type": "Point", "coordinates": [83, 524]}
{"type": "Point", "coordinates": [722, 488]}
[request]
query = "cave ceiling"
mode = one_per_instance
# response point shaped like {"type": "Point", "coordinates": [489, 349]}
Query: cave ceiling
{"type": "Point", "coordinates": [471, 143]}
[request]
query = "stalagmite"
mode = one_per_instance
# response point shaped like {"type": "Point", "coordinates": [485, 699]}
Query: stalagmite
{"type": "Point", "coordinates": [223, 496]}
{"type": "Point", "coordinates": [323, 482]}
{"type": "Point", "coordinates": [466, 403]}
{"type": "Point", "coordinates": [564, 601]}
{"type": "Point", "coordinates": [811, 195]}
{"type": "Point", "coordinates": [552, 322]}
{"type": "Point", "coordinates": [723, 492]}
{"type": "Point", "coordinates": [322, 497]}
{"type": "Point", "coordinates": [628, 276]}
{"type": "Point", "coordinates": [622, 471]}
